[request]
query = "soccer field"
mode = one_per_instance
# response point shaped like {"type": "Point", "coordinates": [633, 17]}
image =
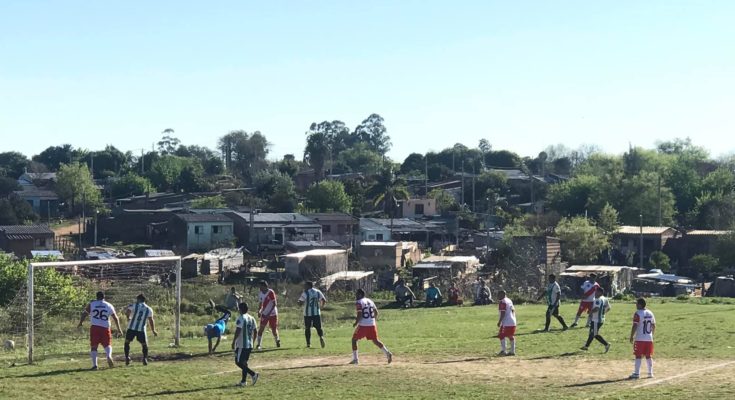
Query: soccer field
{"type": "Point", "coordinates": [439, 353]}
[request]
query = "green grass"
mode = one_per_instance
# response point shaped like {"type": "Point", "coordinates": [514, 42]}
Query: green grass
{"type": "Point", "coordinates": [440, 353]}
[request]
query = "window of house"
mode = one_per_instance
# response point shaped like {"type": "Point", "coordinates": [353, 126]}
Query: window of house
{"type": "Point", "coordinates": [371, 237]}
{"type": "Point", "coordinates": [279, 237]}
{"type": "Point", "coordinates": [379, 237]}
{"type": "Point", "coordinates": [326, 228]}
{"type": "Point", "coordinates": [216, 229]}
{"type": "Point", "coordinates": [418, 209]}
{"type": "Point", "coordinates": [342, 229]}
{"type": "Point", "coordinates": [40, 242]}
{"type": "Point", "coordinates": [198, 230]}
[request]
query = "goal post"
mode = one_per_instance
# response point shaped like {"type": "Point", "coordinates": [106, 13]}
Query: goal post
{"type": "Point", "coordinates": [101, 267]}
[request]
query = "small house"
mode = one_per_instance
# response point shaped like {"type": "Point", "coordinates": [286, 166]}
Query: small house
{"type": "Point", "coordinates": [271, 231]}
{"type": "Point", "coordinates": [200, 232]}
{"type": "Point", "coordinates": [348, 281]}
{"type": "Point", "coordinates": [297, 246]}
{"type": "Point", "coordinates": [315, 264]}
{"type": "Point", "coordinates": [614, 279]}
{"type": "Point", "coordinates": [627, 240]}
{"type": "Point", "coordinates": [391, 254]}
{"type": "Point", "coordinates": [23, 239]}
{"type": "Point", "coordinates": [446, 267]}
{"type": "Point", "coordinates": [339, 227]}
{"type": "Point", "coordinates": [418, 208]}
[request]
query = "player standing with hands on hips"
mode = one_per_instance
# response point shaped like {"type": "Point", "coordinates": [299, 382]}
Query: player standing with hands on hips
{"type": "Point", "coordinates": [100, 312]}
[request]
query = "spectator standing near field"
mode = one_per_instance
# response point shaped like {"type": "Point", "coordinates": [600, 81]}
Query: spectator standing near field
{"type": "Point", "coordinates": [233, 299]}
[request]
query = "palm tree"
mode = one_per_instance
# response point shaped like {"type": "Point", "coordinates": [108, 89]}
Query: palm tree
{"type": "Point", "coordinates": [387, 190]}
{"type": "Point", "coordinates": [316, 152]}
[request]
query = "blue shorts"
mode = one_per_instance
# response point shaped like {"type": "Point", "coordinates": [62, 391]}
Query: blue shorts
{"type": "Point", "coordinates": [215, 330]}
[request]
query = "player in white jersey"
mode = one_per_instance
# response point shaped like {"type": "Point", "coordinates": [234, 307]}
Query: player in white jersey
{"type": "Point", "coordinates": [242, 343]}
{"type": "Point", "coordinates": [367, 327]}
{"type": "Point", "coordinates": [600, 307]}
{"type": "Point", "coordinates": [589, 288]}
{"type": "Point", "coordinates": [138, 315]}
{"type": "Point", "coordinates": [641, 335]}
{"type": "Point", "coordinates": [507, 324]}
{"type": "Point", "coordinates": [268, 313]}
{"type": "Point", "coordinates": [100, 312]}
{"type": "Point", "coordinates": [313, 300]}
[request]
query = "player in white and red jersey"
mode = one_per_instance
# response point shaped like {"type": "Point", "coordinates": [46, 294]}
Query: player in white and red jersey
{"type": "Point", "coordinates": [589, 288]}
{"type": "Point", "coordinates": [100, 312]}
{"type": "Point", "coordinates": [507, 324]}
{"type": "Point", "coordinates": [268, 313]}
{"type": "Point", "coordinates": [641, 335]}
{"type": "Point", "coordinates": [367, 327]}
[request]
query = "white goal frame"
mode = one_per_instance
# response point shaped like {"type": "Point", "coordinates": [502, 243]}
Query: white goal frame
{"type": "Point", "coordinates": [32, 266]}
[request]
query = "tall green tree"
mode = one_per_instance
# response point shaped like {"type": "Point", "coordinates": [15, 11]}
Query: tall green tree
{"type": "Point", "coordinates": [387, 190]}
{"type": "Point", "coordinates": [277, 189]}
{"type": "Point", "coordinates": [582, 241]}
{"type": "Point", "coordinates": [168, 143]}
{"type": "Point", "coordinates": [75, 186]}
{"type": "Point", "coordinates": [52, 157]}
{"type": "Point", "coordinates": [13, 164]}
{"type": "Point", "coordinates": [245, 154]}
{"type": "Point", "coordinates": [317, 152]}
{"type": "Point", "coordinates": [373, 133]}
{"type": "Point", "coordinates": [641, 196]}
{"type": "Point", "coordinates": [131, 185]}
{"type": "Point", "coordinates": [328, 196]}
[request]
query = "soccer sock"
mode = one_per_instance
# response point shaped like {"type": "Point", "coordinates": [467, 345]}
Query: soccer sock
{"type": "Point", "coordinates": [576, 320]}
{"type": "Point", "coordinates": [307, 334]}
{"type": "Point", "coordinates": [244, 374]}
{"type": "Point", "coordinates": [637, 370]}
{"type": "Point", "coordinates": [512, 346]}
{"type": "Point", "coordinates": [260, 340]}
{"type": "Point", "coordinates": [126, 348]}
{"type": "Point", "coordinates": [145, 351]}
{"type": "Point", "coordinates": [385, 351]}
{"type": "Point", "coordinates": [561, 320]}
{"type": "Point", "coordinates": [649, 363]}
{"type": "Point", "coordinates": [589, 320]}
{"type": "Point", "coordinates": [93, 355]}
{"type": "Point", "coordinates": [354, 355]}
{"type": "Point", "coordinates": [601, 340]}
{"type": "Point", "coordinates": [108, 352]}
{"type": "Point", "coordinates": [502, 345]}
{"type": "Point", "coordinates": [548, 321]}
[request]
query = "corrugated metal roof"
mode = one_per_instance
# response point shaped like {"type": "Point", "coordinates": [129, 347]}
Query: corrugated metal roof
{"type": "Point", "coordinates": [159, 253]}
{"type": "Point", "coordinates": [708, 233]}
{"type": "Point", "coordinates": [193, 218]}
{"type": "Point", "coordinates": [424, 265]}
{"type": "Point", "coordinates": [26, 230]}
{"type": "Point", "coordinates": [647, 230]}
{"type": "Point", "coordinates": [316, 252]}
{"type": "Point", "coordinates": [597, 268]}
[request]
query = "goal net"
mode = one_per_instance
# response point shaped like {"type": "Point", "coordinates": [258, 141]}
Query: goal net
{"type": "Point", "coordinates": [41, 320]}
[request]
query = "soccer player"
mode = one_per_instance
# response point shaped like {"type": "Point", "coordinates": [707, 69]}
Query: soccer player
{"type": "Point", "coordinates": [599, 308]}
{"type": "Point", "coordinates": [644, 326]}
{"type": "Point", "coordinates": [367, 327]}
{"type": "Point", "coordinates": [589, 288]}
{"type": "Point", "coordinates": [138, 314]}
{"type": "Point", "coordinates": [217, 328]}
{"type": "Point", "coordinates": [100, 312]}
{"type": "Point", "coordinates": [312, 300]}
{"type": "Point", "coordinates": [507, 324]}
{"type": "Point", "coordinates": [268, 313]}
{"type": "Point", "coordinates": [553, 299]}
{"type": "Point", "coordinates": [242, 343]}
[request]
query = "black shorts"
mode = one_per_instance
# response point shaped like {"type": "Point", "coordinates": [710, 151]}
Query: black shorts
{"type": "Point", "coordinates": [242, 356]}
{"type": "Point", "coordinates": [140, 336]}
{"type": "Point", "coordinates": [315, 321]}
{"type": "Point", "coordinates": [595, 328]}
{"type": "Point", "coordinates": [553, 310]}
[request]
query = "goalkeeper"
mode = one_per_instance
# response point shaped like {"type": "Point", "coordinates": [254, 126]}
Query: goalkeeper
{"type": "Point", "coordinates": [217, 328]}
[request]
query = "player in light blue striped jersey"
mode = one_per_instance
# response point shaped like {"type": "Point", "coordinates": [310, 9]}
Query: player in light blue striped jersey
{"type": "Point", "coordinates": [313, 300]}
{"type": "Point", "coordinates": [138, 315]}
{"type": "Point", "coordinates": [242, 343]}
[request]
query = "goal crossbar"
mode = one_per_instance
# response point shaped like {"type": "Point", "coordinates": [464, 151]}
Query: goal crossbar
{"type": "Point", "coordinates": [115, 261]}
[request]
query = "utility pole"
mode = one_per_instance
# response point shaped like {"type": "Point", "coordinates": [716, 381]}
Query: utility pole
{"type": "Point", "coordinates": [463, 182]}
{"type": "Point", "coordinates": [96, 216]}
{"type": "Point", "coordinates": [142, 162]}
{"type": "Point", "coordinates": [640, 250]}
{"type": "Point", "coordinates": [473, 188]}
{"type": "Point", "coordinates": [426, 177]}
{"type": "Point", "coordinates": [660, 223]}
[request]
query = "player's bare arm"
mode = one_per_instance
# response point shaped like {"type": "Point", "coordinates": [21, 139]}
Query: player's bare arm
{"type": "Point", "coordinates": [117, 323]}
{"type": "Point", "coordinates": [358, 315]}
{"type": "Point", "coordinates": [152, 323]}
{"type": "Point", "coordinates": [85, 312]}
{"type": "Point", "coordinates": [502, 316]}
{"type": "Point", "coordinates": [238, 331]}
{"type": "Point", "coordinates": [632, 331]}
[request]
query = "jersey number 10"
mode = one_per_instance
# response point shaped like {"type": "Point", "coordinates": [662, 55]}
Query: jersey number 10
{"type": "Point", "coordinates": [647, 327]}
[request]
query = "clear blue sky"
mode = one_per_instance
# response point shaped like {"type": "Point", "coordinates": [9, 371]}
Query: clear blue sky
{"type": "Point", "coordinates": [524, 76]}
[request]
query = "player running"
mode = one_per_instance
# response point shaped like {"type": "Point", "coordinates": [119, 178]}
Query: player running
{"type": "Point", "coordinates": [242, 343]}
{"type": "Point", "coordinates": [268, 313]}
{"type": "Point", "coordinates": [216, 329]}
{"type": "Point", "coordinates": [507, 324]}
{"type": "Point", "coordinates": [138, 314]}
{"type": "Point", "coordinates": [553, 300]}
{"type": "Point", "coordinates": [100, 312]}
{"type": "Point", "coordinates": [589, 288]}
{"type": "Point", "coordinates": [367, 327]}
{"type": "Point", "coordinates": [312, 300]}
{"type": "Point", "coordinates": [644, 326]}
{"type": "Point", "coordinates": [599, 308]}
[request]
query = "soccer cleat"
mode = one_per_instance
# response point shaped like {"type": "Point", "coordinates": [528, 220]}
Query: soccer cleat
{"type": "Point", "coordinates": [127, 360]}
{"type": "Point", "coordinates": [308, 346]}
{"type": "Point", "coordinates": [354, 362]}
{"type": "Point", "coordinates": [390, 357]}
{"type": "Point", "coordinates": [584, 348]}
{"type": "Point", "coordinates": [255, 378]}
{"type": "Point", "coordinates": [110, 363]}
{"type": "Point", "coordinates": [574, 325]}
{"type": "Point", "coordinates": [278, 344]}
{"type": "Point", "coordinates": [145, 361]}
{"type": "Point", "coordinates": [242, 384]}
{"type": "Point", "coordinates": [94, 368]}
{"type": "Point", "coordinates": [322, 342]}
{"type": "Point", "coordinates": [634, 376]}
{"type": "Point", "coordinates": [502, 354]}
{"type": "Point", "coordinates": [650, 376]}
{"type": "Point", "coordinates": [511, 354]}
{"type": "Point", "coordinates": [607, 348]}
{"type": "Point", "coordinates": [259, 348]}
{"type": "Point", "coordinates": [564, 328]}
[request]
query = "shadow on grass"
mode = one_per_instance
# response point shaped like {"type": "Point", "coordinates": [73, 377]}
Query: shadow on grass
{"type": "Point", "coordinates": [596, 383]}
{"type": "Point", "coordinates": [459, 361]}
{"type": "Point", "coordinates": [574, 353]}
{"type": "Point", "coordinates": [345, 364]}
{"type": "Point", "coordinates": [48, 373]}
{"type": "Point", "coordinates": [177, 392]}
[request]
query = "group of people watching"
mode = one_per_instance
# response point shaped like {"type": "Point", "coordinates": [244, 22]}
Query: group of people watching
{"type": "Point", "coordinates": [405, 297]}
